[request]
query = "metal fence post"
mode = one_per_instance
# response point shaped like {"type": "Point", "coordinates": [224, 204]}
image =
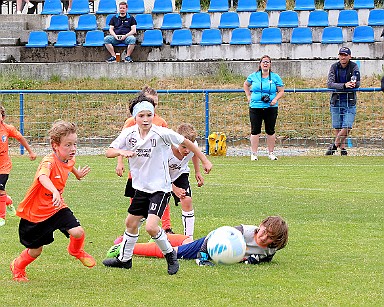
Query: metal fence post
{"type": "Point", "coordinates": [21, 120]}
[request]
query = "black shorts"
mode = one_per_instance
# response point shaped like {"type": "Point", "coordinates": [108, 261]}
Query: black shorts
{"type": "Point", "coordinates": [182, 182]}
{"type": "Point", "coordinates": [129, 190]}
{"type": "Point", "coordinates": [35, 235]}
{"type": "Point", "coordinates": [147, 203]}
{"type": "Point", "coordinates": [256, 116]}
{"type": "Point", "coordinates": [4, 179]}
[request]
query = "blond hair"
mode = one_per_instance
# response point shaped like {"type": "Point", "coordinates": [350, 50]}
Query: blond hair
{"type": "Point", "coordinates": [187, 131]}
{"type": "Point", "coordinates": [2, 110]}
{"type": "Point", "coordinates": [60, 129]}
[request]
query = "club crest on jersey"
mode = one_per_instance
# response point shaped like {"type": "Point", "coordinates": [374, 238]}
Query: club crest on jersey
{"type": "Point", "coordinates": [132, 142]}
{"type": "Point", "coordinates": [3, 138]}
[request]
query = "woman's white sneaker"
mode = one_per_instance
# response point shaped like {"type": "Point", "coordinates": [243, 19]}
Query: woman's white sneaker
{"type": "Point", "coordinates": [254, 157]}
{"type": "Point", "coordinates": [272, 156]}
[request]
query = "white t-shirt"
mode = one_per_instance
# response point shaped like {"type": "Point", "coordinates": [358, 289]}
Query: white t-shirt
{"type": "Point", "coordinates": [178, 167]}
{"type": "Point", "coordinates": [149, 167]}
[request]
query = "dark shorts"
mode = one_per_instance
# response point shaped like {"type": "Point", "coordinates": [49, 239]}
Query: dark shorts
{"type": "Point", "coordinates": [256, 116]}
{"type": "Point", "coordinates": [35, 235]}
{"type": "Point", "coordinates": [190, 250]}
{"type": "Point", "coordinates": [182, 182]}
{"type": "Point", "coordinates": [146, 203]}
{"type": "Point", "coordinates": [129, 190]}
{"type": "Point", "coordinates": [4, 179]}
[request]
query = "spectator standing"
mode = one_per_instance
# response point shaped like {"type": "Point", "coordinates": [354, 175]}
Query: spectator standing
{"type": "Point", "coordinates": [122, 29]}
{"type": "Point", "coordinates": [263, 88]}
{"type": "Point", "coordinates": [343, 76]}
{"type": "Point", "coordinates": [19, 4]}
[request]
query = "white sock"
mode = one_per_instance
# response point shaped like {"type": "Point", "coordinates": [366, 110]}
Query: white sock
{"type": "Point", "coordinates": [188, 219]}
{"type": "Point", "coordinates": [126, 250]}
{"type": "Point", "coordinates": [162, 242]}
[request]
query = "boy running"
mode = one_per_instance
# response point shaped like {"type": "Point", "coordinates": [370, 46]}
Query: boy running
{"type": "Point", "coordinates": [43, 209]}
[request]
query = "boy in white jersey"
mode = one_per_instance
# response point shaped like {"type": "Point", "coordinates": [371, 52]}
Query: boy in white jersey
{"type": "Point", "coordinates": [147, 148]}
{"type": "Point", "coordinates": [179, 172]}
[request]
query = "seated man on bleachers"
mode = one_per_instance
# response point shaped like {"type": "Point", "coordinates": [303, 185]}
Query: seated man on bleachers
{"type": "Point", "coordinates": [122, 29]}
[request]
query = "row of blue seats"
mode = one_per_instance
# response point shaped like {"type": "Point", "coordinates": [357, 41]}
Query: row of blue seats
{"type": "Point", "coordinates": [183, 37]}
{"type": "Point", "coordinates": [228, 20]}
{"type": "Point", "coordinates": [193, 6]}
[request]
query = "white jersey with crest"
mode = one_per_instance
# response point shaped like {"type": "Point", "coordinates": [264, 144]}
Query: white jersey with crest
{"type": "Point", "coordinates": [178, 167]}
{"type": "Point", "coordinates": [149, 167]}
{"type": "Point", "coordinates": [248, 232]}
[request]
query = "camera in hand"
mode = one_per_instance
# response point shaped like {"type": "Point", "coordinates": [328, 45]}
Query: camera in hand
{"type": "Point", "coordinates": [265, 98]}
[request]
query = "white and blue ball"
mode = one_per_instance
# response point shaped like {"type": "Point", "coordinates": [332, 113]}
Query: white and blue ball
{"type": "Point", "coordinates": [226, 245]}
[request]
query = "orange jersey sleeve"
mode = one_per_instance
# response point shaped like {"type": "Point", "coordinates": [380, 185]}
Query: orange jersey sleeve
{"type": "Point", "coordinates": [6, 132]}
{"type": "Point", "coordinates": [157, 120]}
{"type": "Point", "coordinates": [37, 205]}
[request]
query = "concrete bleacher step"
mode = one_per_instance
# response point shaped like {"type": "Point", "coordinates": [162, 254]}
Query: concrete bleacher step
{"type": "Point", "coordinates": [9, 41]}
{"type": "Point", "coordinates": [14, 26]}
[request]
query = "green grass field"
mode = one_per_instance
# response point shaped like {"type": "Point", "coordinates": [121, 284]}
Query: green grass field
{"type": "Point", "coordinates": [334, 257]}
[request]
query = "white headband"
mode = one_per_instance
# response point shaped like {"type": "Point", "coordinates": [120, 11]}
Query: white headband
{"type": "Point", "coordinates": [141, 106]}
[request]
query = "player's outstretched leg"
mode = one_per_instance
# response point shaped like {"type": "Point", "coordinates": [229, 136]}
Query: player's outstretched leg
{"type": "Point", "coordinates": [75, 248]}
{"type": "Point", "coordinates": [173, 264]}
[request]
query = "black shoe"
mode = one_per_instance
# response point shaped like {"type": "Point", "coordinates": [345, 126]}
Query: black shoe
{"type": "Point", "coordinates": [3, 189]}
{"type": "Point", "coordinates": [343, 152]}
{"type": "Point", "coordinates": [173, 264]}
{"type": "Point", "coordinates": [116, 263]}
{"type": "Point", "coordinates": [169, 230]}
{"type": "Point", "coordinates": [331, 150]}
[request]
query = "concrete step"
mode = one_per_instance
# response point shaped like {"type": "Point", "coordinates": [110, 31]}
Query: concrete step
{"type": "Point", "coordinates": [13, 26]}
{"type": "Point", "coordinates": [9, 41]}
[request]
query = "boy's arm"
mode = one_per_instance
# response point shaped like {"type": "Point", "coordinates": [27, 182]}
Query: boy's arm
{"type": "Point", "coordinates": [113, 153]}
{"type": "Point", "coordinates": [179, 192]}
{"type": "Point", "coordinates": [256, 259]}
{"type": "Point", "coordinates": [47, 183]}
{"type": "Point", "coordinates": [207, 165]}
{"type": "Point", "coordinates": [80, 172]}
{"type": "Point", "coordinates": [120, 166]}
{"type": "Point", "coordinates": [196, 166]}
{"type": "Point", "coordinates": [32, 155]}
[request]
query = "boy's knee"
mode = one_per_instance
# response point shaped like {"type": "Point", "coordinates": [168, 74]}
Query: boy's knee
{"type": "Point", "coordinates": [77, 232]}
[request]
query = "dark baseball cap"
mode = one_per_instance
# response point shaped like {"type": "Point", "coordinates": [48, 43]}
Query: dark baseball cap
{"type": "Point", "coordinates": [345, 50]}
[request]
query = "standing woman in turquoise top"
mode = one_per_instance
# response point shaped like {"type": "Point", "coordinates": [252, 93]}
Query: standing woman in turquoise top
{"type": "Point", "coordinates": [263, 89]}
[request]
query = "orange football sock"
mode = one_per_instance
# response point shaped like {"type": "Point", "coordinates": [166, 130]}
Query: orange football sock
{"type": "Point", "coordinates": [3, 201]}
{"type": "Point", "coordinates": [176, 239]}
{"type": "Point", "coordinates": [166, 218]}
{"type": "Point", "coordinates": [24, 259]}
{"type": "Point", "coordinates": [76, 245]}
{"type": "Point", "coordinates": [147, 249]}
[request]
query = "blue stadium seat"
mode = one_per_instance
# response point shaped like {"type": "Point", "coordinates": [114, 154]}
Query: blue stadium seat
{"type": "Point", "coordinates": [52, 7]}
{"type": "Point", "coordinates": [363, 34]}
{"type": "Point", "coordinates": [276, 5]}
{"type": "Point", "coordinates": [229, 20]}
{"type": "Point", "coordinates": [94, 39]}
{"type": "Point", "coordinates": [200, 21]}
{"type": "Point", "coordinates": [107, 20]}
{"type": "Point", "coordinates": [376, 17]}
{"type": "Point", "coordinates": [58, 23]}
{"type": "Point", "coordinates": [37, 39]}
{"type": "Point", "coordinates": [181, 37]}
{"type": "Point", "coordinates": [211, 37]}
{"type": "Point", "coordinates": [66, 39]}
{"type": "Point", "coordinates": [348, 18]}
{"type": "Point", "coordinates": [136, 7]}
{"type": "Point", "coordinates": [301, 35]}
{"type": "Point", "coordinates": [241, 36]}
{"type": "Point", "coordinates": [162, 7]}
{"type": "Point", "coordinates": [107, 7]}
{"type": "Point", "coordinates": [79, 7]}
{"type": "Point", "coordinates": [171, 21]}
{"type": "Point", "coordinates": [271, 36]}
{"type": "Point", "coordinates": [86, 22]}
{"type": "Point", "coordinates": [332, 35]}
{"type": "Point", "coordinates": [152, 38]}
{"type": "Point", "coordinates": [304, 5]}
{"type": "Point", "coordinates": [318, 18]}
{"type": "Point", "coordinates": [218, 6]}
{"type": "Point", "coordinates": [363, 4]}
{"type": "Point", "coordinates": [190, 6]}
{"type": "Point", "coordinates": [288, 19]}
{"type": "Point", "coordinates": [144, 22]}
{"type": "Point", "coordinates": [258, 20]}
{"type": "Point", "coordinates": [247, 6]}
{"type": "Point", "coordinates": [333, 4]}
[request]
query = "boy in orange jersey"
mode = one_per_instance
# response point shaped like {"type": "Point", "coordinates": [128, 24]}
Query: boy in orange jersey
{"type": "Point", "coordinates": [43, 209]}
{"type": "Point", "coordinates": [6, 132]}
{"type": "Point", "coordinates": [149, 92]}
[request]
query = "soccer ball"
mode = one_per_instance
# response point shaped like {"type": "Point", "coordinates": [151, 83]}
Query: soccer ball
{"type": "Point", "coordinates": [226, 245]}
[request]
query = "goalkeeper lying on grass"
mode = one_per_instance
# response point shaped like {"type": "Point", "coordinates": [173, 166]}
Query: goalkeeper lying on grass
{"type": "Point", "coordinates": [262, 243]}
